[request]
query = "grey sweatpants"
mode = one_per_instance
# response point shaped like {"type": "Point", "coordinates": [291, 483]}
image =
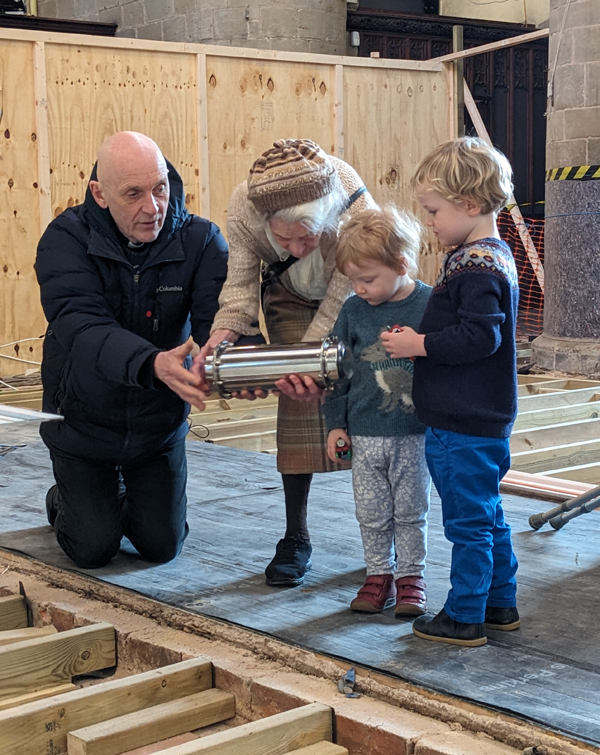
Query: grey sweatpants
{"type": "Point", "coordinates": [391, 490]}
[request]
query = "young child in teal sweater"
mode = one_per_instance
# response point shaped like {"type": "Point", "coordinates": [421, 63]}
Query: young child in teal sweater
{"type": "Point", "coordinates": [374, 414]}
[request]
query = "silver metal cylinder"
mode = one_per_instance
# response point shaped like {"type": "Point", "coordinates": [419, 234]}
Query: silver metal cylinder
{"type": "Point", "coordinates": [234, 368]}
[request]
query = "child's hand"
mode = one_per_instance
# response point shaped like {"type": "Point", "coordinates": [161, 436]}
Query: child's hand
{"type": "Point", "coordinates": [404, 344]}
{"type": "Point", "coordinates": [334, 435]}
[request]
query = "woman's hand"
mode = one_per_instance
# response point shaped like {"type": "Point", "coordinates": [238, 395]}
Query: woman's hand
{"type": "Point", "coordinates": [336, 434]}
{"type": "Point", "coordinates": [299, 388]}
{"type": "Point", "coordinates": [215, 340]}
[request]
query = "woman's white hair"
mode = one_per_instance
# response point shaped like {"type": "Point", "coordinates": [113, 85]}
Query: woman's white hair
{"type": "Point", "coordinates": [319, 216]}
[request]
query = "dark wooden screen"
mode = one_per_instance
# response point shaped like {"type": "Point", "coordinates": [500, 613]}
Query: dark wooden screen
{"type": "Point", "coordinates": [509, 85]}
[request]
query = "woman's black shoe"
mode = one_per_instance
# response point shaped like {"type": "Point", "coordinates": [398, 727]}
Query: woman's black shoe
{"type": "Point", "coordinates": [442, 628]}
{"type": "Point", "coordinates": [290, 563]}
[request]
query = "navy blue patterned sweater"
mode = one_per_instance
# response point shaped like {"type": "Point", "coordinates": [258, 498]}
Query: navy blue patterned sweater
{"type": "Point", "coordinates": [378, 400]}
{"type": "Point", "coordinates": [468, 381]}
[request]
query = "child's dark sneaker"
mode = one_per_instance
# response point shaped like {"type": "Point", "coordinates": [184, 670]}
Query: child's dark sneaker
{"type": "Point", "coordinates": [290, 563]}
{"type": "Point", "coordinates": [377, 593]}
{"type": "Point", "coordinates": [411, 599]}
{"type": "Point", "coordinates": [503, 619]}
{"type": "Point", "coordinates": [442, 628]}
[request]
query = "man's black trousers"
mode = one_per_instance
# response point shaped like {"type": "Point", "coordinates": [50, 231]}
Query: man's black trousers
{"type": "Point", "coordinates": [93, 506]}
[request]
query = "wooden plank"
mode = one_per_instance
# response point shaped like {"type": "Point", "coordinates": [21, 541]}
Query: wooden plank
{"type": "Point", "coordinates": [154, 47]}
{"type": "Point", "coordinates": [8, 637]}
{"type": "Point", "coordinates": [557, 415]}
{"type": "Point", "coordinates": [93, 92]}
{"type": "Point", "coordinates": [527, 387]}
{"type": "Point", "coordinates": [275, 735]}
{"type": "Point", "coordinates": [569, 455]}
{"type": "Point", "coordinates": [412, 115]}
{"type": "Point", "coordinates": [588, 473]}
{"type": "Point", "coordinates": [322, 748]}
{"type": "Point", "coordinates": [202, 130]}
{"type": "Point", "coordinates": [42, 135]}
{"type": "Point", "coordinates": [548, 400]}
{"type": "Point", "coordinates": [42, 727]}
{"type": "Point", "coordinates": [152, 724]}
{"type": "Point", "coordinates": [162, 745]}
{"type": "Point", "coordinates": [42, 662]}
{"type": "Point", "coordinates": [13, 612]}
{"type": "Point", "coordinates": [38, 694]}
{"type": "Point", "coordinates": [338, 112]}
{"type": "Point", "coordinates": [253, 103]}
{"type": "Point", "coordinates": [21, 313]}
{"type": "Point", "coordinates": [533, 439]}
{"type": "Point", "coordinates": [502, 43]}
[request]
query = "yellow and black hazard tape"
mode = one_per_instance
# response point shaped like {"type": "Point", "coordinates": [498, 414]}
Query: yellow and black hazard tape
{"type": "Point", "coordinates": [574, 173]}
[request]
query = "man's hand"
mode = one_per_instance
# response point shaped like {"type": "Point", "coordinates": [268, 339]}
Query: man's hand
{"type": "Point", "coordinates": [405, 344]}
{"type": "Point", "coordinates": [332, 439]}
{"type": "Point", "coordinates": [168, 367]}
{"type": "Point", "coordinates": [300, 389]}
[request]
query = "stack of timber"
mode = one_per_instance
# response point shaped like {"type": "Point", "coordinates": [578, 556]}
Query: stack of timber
{"type": "Point", "coordinates": [42, 711]}
{"type": "Point", "coordinates": [557, 432]}
{"type": "Point", "coordinates": [556, 435]}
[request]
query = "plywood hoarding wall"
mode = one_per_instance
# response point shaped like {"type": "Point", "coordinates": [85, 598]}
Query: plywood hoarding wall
{"type": "Point", "coordinates": [212, 110]}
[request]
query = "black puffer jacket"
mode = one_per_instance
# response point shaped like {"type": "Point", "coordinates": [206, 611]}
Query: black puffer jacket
{"type": "Point", "coordinates": [107, 323]}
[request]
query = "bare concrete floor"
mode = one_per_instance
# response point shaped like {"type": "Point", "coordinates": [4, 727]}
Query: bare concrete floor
{"type": "Point", "coordinates": [543, 678]}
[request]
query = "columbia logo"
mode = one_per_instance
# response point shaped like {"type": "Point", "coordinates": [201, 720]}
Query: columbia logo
{"type": "Point", "coordinates": [162, 289]}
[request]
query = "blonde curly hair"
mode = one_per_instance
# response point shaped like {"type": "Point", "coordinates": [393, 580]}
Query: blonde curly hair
{"type": "Point", "coordinates": [467, 169]}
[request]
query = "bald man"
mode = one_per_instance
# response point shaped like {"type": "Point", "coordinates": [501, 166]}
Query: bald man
{"type": "Point", "coordinates": [126, 278]}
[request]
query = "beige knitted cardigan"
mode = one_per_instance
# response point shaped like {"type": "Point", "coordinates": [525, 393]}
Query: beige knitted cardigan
{"type": "Point", "coordinates": [248, 245]}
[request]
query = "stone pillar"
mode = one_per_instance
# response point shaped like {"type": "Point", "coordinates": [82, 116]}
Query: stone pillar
{"type": "Point", "coordinates": [570, 341]}
{"type": "Point", "coordinates": [317, 26]}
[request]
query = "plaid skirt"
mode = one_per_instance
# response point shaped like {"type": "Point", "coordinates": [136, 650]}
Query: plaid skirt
{"type": "Point", "coordinates": [301, 428]}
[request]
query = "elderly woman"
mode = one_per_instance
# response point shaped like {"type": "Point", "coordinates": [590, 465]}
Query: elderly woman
{"type": "Point", "coordinates": [284, 218]}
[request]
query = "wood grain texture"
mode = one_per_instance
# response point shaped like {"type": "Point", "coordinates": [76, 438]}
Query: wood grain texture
{"type": "Point", "coordinates": [44, 661]}
{"type": "Point", "coordinates": [20, 311]}
{"type": "Point", "coordinates": [275, 735]}
{"type": "Point", "coordinates": [9, 637]}
{"type": "Point", "coordinates": [13, 612]}
{"type": "Point", "coordinates": [94, 92]}
{"type": "Point", "coordinates": [152, 724]}
{"type": "Point", "coordinates": [39, 694]}
{"type": "Point", "coordinates": [251, 104]}
{"type": "Point", "coordinates": [42, 727]}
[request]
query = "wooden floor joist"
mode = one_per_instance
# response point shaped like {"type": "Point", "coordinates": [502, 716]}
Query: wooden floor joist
{"type": "Point", "coordinates": [42, 726]}
{"type": "Point", "coordinates": [39, 694]}
{"type": "Point", "coordinates": [152, 724]}
{"type": "Point", "coordinates": [45, 661]}
{"type": "Point", "coordinates": [276, 735]}
{"type": "Point", "coordinates": [13, 612]}
{"type": "Point", "coordinates": [10, 636]}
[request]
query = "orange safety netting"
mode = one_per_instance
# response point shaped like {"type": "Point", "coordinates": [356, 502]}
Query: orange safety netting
{"type": "Point", "coordinates": [530, 264]}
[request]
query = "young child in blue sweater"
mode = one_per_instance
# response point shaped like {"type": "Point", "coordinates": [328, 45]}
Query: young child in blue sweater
{"type": "Point", "coordinates": [465, 387]}
{"type": "Point", "coordinates": [374, 414]}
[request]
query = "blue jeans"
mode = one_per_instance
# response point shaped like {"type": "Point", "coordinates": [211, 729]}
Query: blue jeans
{"type": "Point", "coordinates": [466, 470]}
{"type": "Point", "coordinates": [96, 505]}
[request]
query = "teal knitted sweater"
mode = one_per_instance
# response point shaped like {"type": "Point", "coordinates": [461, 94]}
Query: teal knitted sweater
{"type": "Point", "coordinates": [377, 401]}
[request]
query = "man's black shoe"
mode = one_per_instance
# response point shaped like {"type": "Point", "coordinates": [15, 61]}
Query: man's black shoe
{"type": "Point", "coordinates": [52, 499]}
{"type": "Point", "coordinates": [503, 619]}
{"type": "Point", "coordinates": [290, 563]}
{"type": "Point", "coordinates": [442, 628]}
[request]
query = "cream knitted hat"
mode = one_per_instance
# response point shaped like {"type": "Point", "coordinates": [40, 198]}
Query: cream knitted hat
{"type": "Point", "coordinates": [292, 172]}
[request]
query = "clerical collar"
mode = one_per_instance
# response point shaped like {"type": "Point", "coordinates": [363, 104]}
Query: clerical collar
{"type": "Point", "coordinates": [136, 247]}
